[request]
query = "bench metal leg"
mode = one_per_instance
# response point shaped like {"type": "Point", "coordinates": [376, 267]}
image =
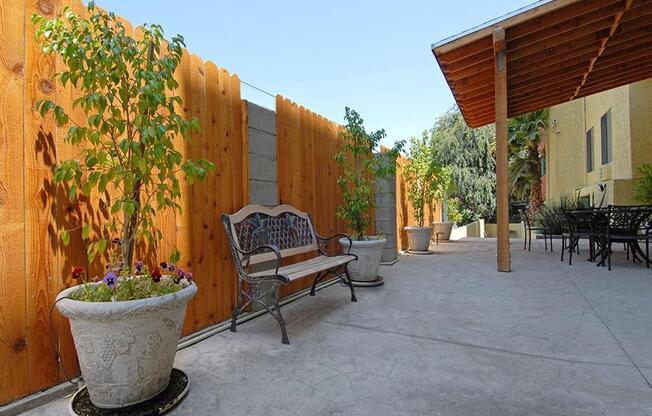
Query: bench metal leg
{"type": "Point", "coordinates": [238, 306]}
{"type": "Point", "coordinates": [349, 283]}
{"type": "Point", "coordinates": [276, 313]}
{"type": "Point", "coordinates": [318, 278]}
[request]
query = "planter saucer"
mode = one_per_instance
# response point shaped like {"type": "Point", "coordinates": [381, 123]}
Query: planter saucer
{"type": "Point", "coordinates": [81, 405]}
{"type": "Point", "coordinates": [420, 253]}
{"type": "Point", "coordinates": [358, 283]}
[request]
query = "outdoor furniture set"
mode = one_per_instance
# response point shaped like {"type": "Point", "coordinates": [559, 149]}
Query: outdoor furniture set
{"type": "Point", "coordinates": [602, 227]}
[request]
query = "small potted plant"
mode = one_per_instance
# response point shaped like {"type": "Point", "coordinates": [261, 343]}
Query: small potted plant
{"type": "Point", "coordinates": [424, 178]}
{"type": "Point", "coordinates": [444, 190]}
{"type": "Point", "coordinates": [360, 169]}
{"type": "Point", "coordinates": [126, 325]}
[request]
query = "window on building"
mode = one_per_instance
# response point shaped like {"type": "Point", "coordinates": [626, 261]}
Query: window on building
{"type": "Point", "coordinates": [589, 150]}
{"type": "Point", "coordinates": [606, 140]}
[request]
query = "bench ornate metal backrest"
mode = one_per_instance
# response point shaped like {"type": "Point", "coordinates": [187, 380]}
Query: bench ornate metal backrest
{"type": "Point", "coordinates": [284, 227]}
{"type": "Point", "coordinates": [258, 234]}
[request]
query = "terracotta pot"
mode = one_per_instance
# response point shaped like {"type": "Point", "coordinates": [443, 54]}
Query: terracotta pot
{"type": "Point", "coordinates": [126, 349]}
{"type": "Point", "coordinates": [369, 252]}
{"type": "Point", "coordinates": [419, 238]}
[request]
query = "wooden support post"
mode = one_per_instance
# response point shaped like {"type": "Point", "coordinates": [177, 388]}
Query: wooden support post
{"type": "Point", "coordinates": [502, 193]}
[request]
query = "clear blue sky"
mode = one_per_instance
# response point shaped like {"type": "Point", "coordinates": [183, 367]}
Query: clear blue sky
{"type": "Point", "coordinates": [373, 56]}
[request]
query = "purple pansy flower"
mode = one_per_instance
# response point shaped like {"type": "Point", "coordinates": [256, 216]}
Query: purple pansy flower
{"type": "Point", "coordinates": [139, 266]}
{"type": "Point", "coordinates": [163, 265]}
{"type": "Point", "coordinates": [188, 276]}
{"type": "Point", "coordinates": [171, 267]}
{"type": "Point", "coordinates": [110, 279]}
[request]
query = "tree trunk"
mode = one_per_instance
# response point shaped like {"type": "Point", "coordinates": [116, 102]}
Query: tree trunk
{"type": "Point", "coordinates": [536, 196]}
{"type": "Point", "coordinates": [128, 239]}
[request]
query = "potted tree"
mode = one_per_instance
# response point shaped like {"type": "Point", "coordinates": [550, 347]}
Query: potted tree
{"type": "Point", "coordinates": [360, 168]}
{"type": "Point", "coordinates": [445, 188]}
{"type": "Point", "coordinates": [425, 180]}
{"type": "Point", "coordinates": [125, 326]}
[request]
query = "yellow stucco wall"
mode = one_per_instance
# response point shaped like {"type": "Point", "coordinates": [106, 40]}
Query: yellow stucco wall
{"type": "Point", "coordinates": [631, 127]}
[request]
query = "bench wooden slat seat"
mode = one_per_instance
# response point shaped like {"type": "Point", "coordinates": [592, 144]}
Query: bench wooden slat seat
{"type": "Point", "coordinates": [261, 238]}
{"type": "Point", "coordinates": [306, 268]}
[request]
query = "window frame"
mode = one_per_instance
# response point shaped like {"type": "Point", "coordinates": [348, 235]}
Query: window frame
{"type": "Point", "coordinates": [589, 148]}
{"type": "Point", "coordinates": [606, 138]}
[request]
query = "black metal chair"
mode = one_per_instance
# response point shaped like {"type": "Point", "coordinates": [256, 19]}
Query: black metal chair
{"type": "Point", "coordinates": [624, 225]}
{"type": "Point", "coordinates": [579, 225]}
{"type": "Point", "coordinates": [528, 228]}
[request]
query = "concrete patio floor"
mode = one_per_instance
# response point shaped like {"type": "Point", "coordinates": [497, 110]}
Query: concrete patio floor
{"type": "Point", "coordinates": [446, 335]}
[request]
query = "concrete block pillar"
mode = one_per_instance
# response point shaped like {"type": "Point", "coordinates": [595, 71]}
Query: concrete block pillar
{"type": "Point", "coordinates": [263, 188]}
{"type": "Point", "coordinates": [386, 215]}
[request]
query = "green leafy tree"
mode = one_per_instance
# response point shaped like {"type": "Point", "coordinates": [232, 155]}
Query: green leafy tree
{"type": "Point", "coordinates": [427, 180]}
{"type": "Point", "coordinates": [525, 135]}
{"type": "Point", "coordinates": [470, 156]}
{"type": "Point", "coordinates": [126, 89]}
{"type": "Point", "coordinates": [360, 169]}
{"type": "Point", "coordinates": [643, 187]}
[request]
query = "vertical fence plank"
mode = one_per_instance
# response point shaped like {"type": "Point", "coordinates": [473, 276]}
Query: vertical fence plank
{"type": "Point", "coordinates": [239, 175]}
{"type": "Point", "coordinates": [13, 328]}
{"type": "Point", "coordinates": [198, 228]}
{"type": "Point", "coordinates": [182, 218]}
{"type": "Point", "coordinates": [68, 215]}
{"type": "Point", "coordinates": [40, 159]}
{"type": "Point", "coordinates": [212, 241]}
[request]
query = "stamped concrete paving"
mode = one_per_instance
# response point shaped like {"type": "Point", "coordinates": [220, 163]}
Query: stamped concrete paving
{"type": "Point", "coordinates": [446, 335]}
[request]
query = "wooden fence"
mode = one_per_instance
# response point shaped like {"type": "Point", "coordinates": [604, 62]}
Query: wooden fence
{"type": "Point", "coordinates": [404, 211]}
{"type": "Point", "coordinates": [34, 266]}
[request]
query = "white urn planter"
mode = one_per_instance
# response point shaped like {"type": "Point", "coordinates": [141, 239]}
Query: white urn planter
{"type": "Point", "coordinates": [419, 239]}
{"type": "Point", "coordinates": [126, 349]}
{"type": "Point", "coordinates": [444, 230]}
{"type": "Point", "coordinates": [364, 271]}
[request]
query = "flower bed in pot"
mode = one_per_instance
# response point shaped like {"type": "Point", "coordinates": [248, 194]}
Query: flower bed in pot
{"type": "Point", "coordinates": [126, 330]}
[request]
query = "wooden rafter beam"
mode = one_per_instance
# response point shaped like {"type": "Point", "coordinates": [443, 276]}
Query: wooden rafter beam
{"type": "Point", "coordinates": [614, 28]}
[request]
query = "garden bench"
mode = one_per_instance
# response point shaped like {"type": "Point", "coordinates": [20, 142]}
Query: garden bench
{"type": "Point", "coordinates": [265, 237]}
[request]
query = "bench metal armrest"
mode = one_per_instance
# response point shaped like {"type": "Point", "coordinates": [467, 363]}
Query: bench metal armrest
{"type": "Point", "coordinates": [326, 240]}
{"type": "Point", "coordinates": [247, 254]}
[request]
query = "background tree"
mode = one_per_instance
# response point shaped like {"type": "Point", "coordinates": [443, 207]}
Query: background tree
{"type": "Point", "coordinates": [127, 157]}
{"type": "Point", "coordinates": [470, 155]}
{"type": "Point", "coordinates": [525, 135]}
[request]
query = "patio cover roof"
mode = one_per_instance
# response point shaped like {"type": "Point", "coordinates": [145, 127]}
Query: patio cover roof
{"type": "Point", "coordinates": [556, 50]}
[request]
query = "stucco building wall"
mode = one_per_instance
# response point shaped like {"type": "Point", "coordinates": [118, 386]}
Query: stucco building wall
{"type": "Point", "coordinates": [566, 152]}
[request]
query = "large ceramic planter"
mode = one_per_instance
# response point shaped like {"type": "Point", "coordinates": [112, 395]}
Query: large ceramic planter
{"type": "Point", "coordinates": [419, 238]}
{"type": "Point", "coordinates": [369, 252]}
{"type": "Point", "coordinates": [444, 230]}
{"type": "Point", "coordinates": [126, 349]}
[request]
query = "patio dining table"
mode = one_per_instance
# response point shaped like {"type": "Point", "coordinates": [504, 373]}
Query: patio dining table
{"type": "Point", "coordinates": [616, 224]}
